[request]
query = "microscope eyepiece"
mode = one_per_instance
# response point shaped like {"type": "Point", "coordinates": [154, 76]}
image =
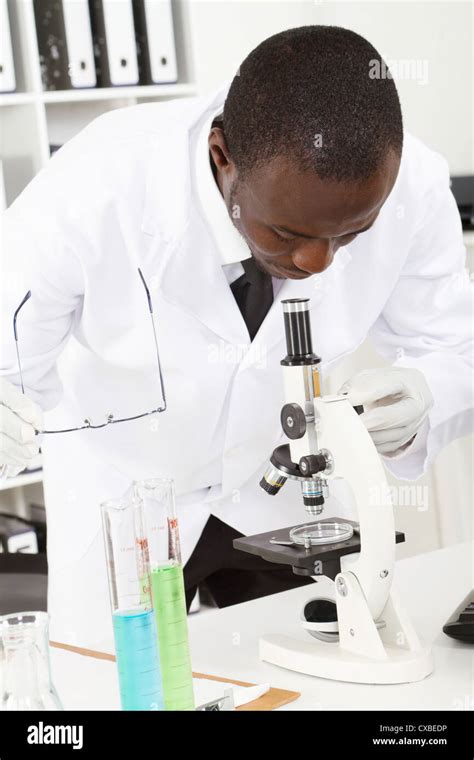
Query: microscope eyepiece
{"type": "Point", "coordinates": [299, 345]}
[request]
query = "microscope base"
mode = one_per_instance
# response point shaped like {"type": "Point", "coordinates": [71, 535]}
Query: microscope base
{"type": "Point", "coordinates": [328, 660]}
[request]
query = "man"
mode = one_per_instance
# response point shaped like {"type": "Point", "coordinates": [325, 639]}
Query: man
{"type": "Point", "coordinates": [295, 182]}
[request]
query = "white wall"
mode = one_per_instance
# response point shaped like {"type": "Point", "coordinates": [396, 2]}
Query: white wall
{"type": "Point", "coordinates": [437, 35]}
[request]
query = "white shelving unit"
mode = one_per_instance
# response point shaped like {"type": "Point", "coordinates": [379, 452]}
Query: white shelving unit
{"type": "Point", "coordinates": [16, 494]}
{"type": "Point", "coordinates": [23, 479]}
{"type": "Point", "coordinates": [32, 120]}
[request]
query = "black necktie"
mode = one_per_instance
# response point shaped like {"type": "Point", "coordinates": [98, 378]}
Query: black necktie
{"type": "Point", "coordinates": [253, 292]}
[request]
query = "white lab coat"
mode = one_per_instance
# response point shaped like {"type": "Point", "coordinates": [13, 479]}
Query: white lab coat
{"type": "Point", "coordinates": [122, 195]}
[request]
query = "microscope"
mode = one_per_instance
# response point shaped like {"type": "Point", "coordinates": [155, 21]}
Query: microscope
{"type": "Point", "coordinates": [359, 630]}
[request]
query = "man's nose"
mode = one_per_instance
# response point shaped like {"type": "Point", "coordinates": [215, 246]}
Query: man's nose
{"type": "Point", "coordinates": [314, 256]}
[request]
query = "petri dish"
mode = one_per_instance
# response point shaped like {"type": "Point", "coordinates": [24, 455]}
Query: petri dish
{"type": "Point", "coordinates": [315, 534]}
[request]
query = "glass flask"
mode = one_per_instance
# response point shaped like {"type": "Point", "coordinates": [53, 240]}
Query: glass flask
{"type": "Point", "coordinates": [25, 682]}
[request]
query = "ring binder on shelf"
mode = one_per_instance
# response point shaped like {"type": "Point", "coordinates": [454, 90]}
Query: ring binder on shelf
{"type": "Point", "coordinates": [3, 195]}
{"type": "Point", "coordinates": [155, 41]}
{"type": "Point", "coordinates": [65, 44]}
{"type": "Point", "coordinates": [51, 34]}
{"type": "Point", "coordinates": [113, 33]}
{"type": "Point", "coordinates": [79, 43]}
{"type": "Point", "coordinates": [7, 68]}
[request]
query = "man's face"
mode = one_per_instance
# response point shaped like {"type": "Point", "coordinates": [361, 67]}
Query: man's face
{"type": "Point", "coordinates": [292, 221]}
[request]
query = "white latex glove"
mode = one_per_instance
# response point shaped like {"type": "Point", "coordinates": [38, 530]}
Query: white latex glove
{"type": "Point", "coordinates": [396, 401]}
{"type": "Point", "coordinates": [19, 419]}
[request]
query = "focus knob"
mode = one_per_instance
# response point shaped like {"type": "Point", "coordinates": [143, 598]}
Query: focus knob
{"type": "Point", "coordinates": [293, 421]}
{"type": "Point", "coordinates": [311, 464]}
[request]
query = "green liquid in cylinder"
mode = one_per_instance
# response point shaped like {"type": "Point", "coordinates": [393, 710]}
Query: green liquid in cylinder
{"type": "Point", "coordinates": [169, 602]}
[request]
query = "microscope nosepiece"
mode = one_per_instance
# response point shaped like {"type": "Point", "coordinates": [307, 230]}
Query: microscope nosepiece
{"type": "Point", "coordinates": [272, 481]}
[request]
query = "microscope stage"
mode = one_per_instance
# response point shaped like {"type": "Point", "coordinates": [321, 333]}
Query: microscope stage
{"type": "Point", "coordinates": [323, 559]}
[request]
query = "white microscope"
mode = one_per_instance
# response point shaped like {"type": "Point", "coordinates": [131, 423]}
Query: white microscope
{"type": "Point", "coordinates": [359, 629]}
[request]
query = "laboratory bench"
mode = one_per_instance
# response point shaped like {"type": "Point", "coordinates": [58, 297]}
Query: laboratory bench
{"type": "Point", "coordinates": [225, 643]}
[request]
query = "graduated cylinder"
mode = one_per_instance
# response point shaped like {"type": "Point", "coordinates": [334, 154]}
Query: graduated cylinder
{"type": "Point", "coordinates": [128, 568]}
{"type": "Point", "coordinates": [167, 587]}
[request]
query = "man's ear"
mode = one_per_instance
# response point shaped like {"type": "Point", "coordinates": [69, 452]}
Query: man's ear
{"type": "Point", "coordinates": [218, 149]}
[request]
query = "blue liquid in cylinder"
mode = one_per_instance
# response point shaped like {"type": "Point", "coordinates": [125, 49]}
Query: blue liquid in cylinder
{"type": "Point", "coordinates": [137, 660]}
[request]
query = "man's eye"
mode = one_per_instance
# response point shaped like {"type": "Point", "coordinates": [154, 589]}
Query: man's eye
{"type": "Point", "coordinates": [285, 238]}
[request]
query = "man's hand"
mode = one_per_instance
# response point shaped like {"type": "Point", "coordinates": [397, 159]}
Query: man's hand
{"type": "Point", "coordinates": [396, 401]}
{"type": "Point", "coordinates": [19, 419]}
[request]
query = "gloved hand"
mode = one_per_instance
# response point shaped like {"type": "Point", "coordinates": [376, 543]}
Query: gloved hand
{"type": "Point", "coordinates": [19, 418]}
{"type": "Point", "coordinates": [396, 401]}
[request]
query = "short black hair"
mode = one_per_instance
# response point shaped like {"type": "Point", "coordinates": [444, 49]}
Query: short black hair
{"type": "Point", "coordinates": [307, 82]}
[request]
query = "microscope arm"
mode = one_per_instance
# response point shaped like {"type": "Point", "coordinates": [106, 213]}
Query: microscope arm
{"type": "Point", "coordinates": [343, 434]}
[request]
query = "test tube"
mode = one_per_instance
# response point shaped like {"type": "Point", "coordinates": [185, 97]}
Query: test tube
{"type": "Point", "coordinates": [128, 566]}
{"type": "Point", "coordinates": [167, 585]}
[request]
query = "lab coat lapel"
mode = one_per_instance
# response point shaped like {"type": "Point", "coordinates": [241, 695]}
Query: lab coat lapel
{"type": "Point", "coordinates": [194, 280]}
{"type": "Point", "coordinates": [184, 256]}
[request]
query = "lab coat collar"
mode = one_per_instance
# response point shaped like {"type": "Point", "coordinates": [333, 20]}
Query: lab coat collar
{"type": "Point", "coordinates": [198, 286]}
{"type": "Point", "coordinates": [184, 255]}
{"type": "Point", "coordinates": [196, 283]}
{"type": "Point", "coordinates": [230, 244]}
{"type": "Point", "coordinates": [194, 280]}
{"type": "Point", "coordinates": [168, 202]}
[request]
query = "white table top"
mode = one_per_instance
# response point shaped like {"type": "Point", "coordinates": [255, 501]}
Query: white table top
{"type": "Point", "coordinates": [431, 586]}
{"type": "Point", "coordinates": [225, 643]}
